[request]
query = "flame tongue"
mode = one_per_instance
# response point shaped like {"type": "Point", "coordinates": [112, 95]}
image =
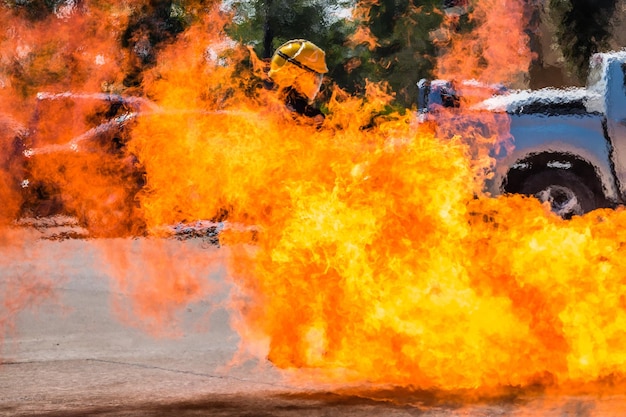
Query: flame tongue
{"type": "Point", "coordinates": [369, 253]}
{"type": "Point", "coordinates": [509, 298]}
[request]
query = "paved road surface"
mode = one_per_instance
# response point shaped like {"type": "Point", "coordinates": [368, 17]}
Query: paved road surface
{"type": "Point", "coordinates": [71, 349]}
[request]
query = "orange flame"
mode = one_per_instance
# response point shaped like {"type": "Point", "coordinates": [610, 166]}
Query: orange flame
{"type": "Point", "coordinates": [495, 51]}
{"type": "Point", "coordinates": [363, 36]}
{"type": "Point", "coordinates": [358, 249]}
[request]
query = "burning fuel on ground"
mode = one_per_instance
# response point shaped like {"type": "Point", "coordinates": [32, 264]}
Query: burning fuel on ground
{"type": "Point", "coordinates": [363, 251]}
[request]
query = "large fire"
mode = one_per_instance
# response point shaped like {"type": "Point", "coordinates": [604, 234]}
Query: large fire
{"type": "Point", "coordinates": [362, 250]}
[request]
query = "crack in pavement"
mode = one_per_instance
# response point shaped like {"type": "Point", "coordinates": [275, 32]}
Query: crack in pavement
{"type": "Point", "coordinates": [179, 371]}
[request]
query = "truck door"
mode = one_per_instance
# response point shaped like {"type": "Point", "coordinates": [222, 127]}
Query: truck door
{"type": "Point", "coordinates": [615, 110]}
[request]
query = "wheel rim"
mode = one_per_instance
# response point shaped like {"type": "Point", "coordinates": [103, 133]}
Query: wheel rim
{"type": "Point", "coordinates": [563, 201]}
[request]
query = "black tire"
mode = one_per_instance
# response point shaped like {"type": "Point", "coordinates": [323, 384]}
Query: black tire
{"type": "Point", "coordinates": [566, 192]}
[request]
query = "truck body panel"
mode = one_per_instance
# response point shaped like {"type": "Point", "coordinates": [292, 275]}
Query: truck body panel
{"type": "Point", "coordinates": [571, 135]}
{"type": "Point", "coordinates": [568, 141]}
{"type": "Point", "coordinates": [612, 81]}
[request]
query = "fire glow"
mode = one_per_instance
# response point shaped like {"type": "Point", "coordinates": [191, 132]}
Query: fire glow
{"type": "Point", "coordinates": [371, 258]}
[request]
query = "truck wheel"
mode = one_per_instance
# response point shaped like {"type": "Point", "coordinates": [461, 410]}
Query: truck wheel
{"type": "Point", "coordinates": [567, 194]}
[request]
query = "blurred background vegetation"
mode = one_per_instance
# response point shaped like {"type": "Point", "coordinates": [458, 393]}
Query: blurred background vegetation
{"type": "Point", "coordinates": [365, 40]}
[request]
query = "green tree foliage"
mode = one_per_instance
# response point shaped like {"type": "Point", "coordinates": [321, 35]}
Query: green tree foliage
{"type": "Point", "coordinates": [403, 51]}
{"type": "Point", "coordinates": [267, 24]}
{"type": "Point", "coordinates": [397, 48]}
{"type": "Point", "coordinates": [398, 51]}
{"type": "Point", "coordinates": [584, 29]}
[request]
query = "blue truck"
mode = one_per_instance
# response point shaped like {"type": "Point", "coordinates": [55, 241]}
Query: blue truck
{"type": "Point", "coordinates": [569, 145]}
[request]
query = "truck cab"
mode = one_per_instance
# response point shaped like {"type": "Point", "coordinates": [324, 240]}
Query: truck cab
{"type": "Point", "coordinates": [568, 145]}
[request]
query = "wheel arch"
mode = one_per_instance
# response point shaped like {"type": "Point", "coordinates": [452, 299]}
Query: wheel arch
{"type": "Point", "coordinates": [546, 161]}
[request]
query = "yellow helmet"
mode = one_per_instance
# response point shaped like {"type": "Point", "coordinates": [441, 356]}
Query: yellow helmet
{"type": "Point", "coordinates": [300, 64]}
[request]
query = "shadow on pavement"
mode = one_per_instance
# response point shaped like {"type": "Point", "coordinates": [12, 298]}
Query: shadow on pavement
{"type": "Point", "coordinates": [353, 402]}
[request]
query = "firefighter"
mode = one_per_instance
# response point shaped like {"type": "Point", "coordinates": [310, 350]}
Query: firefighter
{"type": "Point", "coordinates": [297, 70]}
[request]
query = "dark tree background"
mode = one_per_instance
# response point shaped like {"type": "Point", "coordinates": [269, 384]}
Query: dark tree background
{"type": "Point", "coordinates": [390, 40]}
{"type": "Point", "coordinates": [150, 25]}
{"type": "Point", "coordinates": [399, 28]}
{"type": "Point", "coordinates": [404, 51]}
{"type": "Point", "coordinates": [267, 24]}
{"type": "Point", "coordinates": [583, 28]}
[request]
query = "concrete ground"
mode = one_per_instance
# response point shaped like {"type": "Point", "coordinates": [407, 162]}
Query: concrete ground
{"type": "Point", "coordinates": [70, 350]}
